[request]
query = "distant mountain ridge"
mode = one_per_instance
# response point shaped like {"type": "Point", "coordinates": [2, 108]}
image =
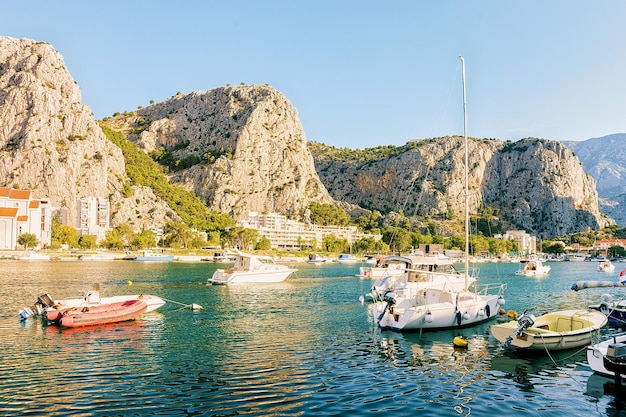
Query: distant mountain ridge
{"type": "Point", "coordinates": [604, 158]}
{"type": "Point", "coordinates": [537, 184]}
{"type": "Point", "coordinates": [243, 149]}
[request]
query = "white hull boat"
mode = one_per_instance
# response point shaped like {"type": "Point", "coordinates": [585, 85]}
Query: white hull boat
{"type": "Point", "coordinates": [45, 303]}
{"type": "Point", "coordinates": [559, 330]}
{"type": "Point", "coordinates": [434, 297]}
{"type": "Point", "coordinates": [438, 309]}
{"type": "Point", "coordinates": [606, 266]}
{"type": "Point", "coordinates": [389, 266]}
{"type": "Point", "coordinates": [532, 268]}
{"type": "Point", "coordinates": [252, 269]}
{"type": "Point", "coordinates": [597, 353]}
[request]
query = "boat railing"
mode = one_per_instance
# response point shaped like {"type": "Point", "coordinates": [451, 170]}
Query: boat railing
{"type": "Point", "coordinates": [485, 289]}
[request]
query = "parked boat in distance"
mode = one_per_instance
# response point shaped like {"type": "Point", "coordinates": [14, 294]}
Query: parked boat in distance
{"type": "Point", "coordinates": [532, 268]}
{"type": "Point", "coordinates": [314, 258]}
{"type": "Point", "coordinates": [559, 330]}
{"type": "Point", "coordinates": [98, 315]}
{"type": "Point", "coordinates": [606, 266]}
{"type": "Point", "coordinates": [252, 269]}
{"type": "Point", "coordinates": [148, 255]}
{"type": "Point", "coordinates": [30, 255]}
{"type": "Point", "coordinates": [394, 265]}
{"type": "Point", "coordinates": [347, 259]}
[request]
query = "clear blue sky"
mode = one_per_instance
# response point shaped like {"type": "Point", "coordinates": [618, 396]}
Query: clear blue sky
{"type": "Point", "coordinates": [361, 73]}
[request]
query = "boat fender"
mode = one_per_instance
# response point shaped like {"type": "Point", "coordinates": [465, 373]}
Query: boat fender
{"type": "Point", "coordinates": [458, 318]}
{"type": "Point", "coordinates": [488, 310]}
{"type": "Point", "coordinates": [459, 341]}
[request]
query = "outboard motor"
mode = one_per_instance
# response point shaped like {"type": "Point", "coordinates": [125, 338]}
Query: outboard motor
{"type": "Point", "coordinates": [606, 303]}
{"type": "Point", "coordinates": [524, 322]}
{"type": "Point", "coordinates": [390, 298]}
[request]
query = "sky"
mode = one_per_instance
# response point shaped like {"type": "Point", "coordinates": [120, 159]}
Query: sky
{"type": "Point", "coordinates": [361, 73]}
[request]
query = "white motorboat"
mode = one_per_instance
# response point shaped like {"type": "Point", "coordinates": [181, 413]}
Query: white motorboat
{"type": "Point", "coordinates": [434, 305]}
{"type": "Point", "coordinates": [597, 353]}
{"type": "Point", "coordinates": [149, 256]}
{"type": "Point", "coordinates": [252, 269]}
{"type": "Point", "coordinates": [559, 330]}
{"type": "Point", "coordinates": [388, 266]}
{"type": "Point", "coordinates": [419, 273]}
{"type": "Point", "coordinates": [347, 259]}
{"type": "Point", "coordinates": [532, 268]}
{"type": "Point", "coordinates": [30, 255]}
{"type": "Point", "coordinates": [606, 266]}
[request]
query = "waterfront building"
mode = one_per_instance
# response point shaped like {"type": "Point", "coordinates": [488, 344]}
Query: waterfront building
{"type": "Point", "coordinates": [527, 244]}
{"type": "Point", "coordinates": [20, 213]}
{"type": "Point", "coordinates": [93, 217]}
{"type": "Point", "coordinates": [287, 234]}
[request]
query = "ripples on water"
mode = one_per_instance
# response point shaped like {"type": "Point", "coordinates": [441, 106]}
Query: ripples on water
{"type": "Point", "coordinates": [302, 347]}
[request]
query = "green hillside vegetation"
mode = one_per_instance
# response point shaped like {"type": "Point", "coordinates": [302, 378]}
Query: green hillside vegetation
{"type": "Point", "coordinates": [142, 170]}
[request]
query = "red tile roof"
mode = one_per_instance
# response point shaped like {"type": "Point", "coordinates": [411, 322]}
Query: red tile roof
{"type": "Point", "coordinates": [20, 194]}
{"type": "Point", "coordinates": [8, 211]}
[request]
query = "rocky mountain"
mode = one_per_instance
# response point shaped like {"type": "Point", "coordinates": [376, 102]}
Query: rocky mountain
{"type": "Point", "coordinates": [239, 148]}
{"type": "Point", "coordinates": [49, 142]}
{"type": "Point", "coordinates": [604, 159]}
{"type": "Point", "coordinates": [243, 149]}
{"type": "Point", "coordinates": [538, 185]}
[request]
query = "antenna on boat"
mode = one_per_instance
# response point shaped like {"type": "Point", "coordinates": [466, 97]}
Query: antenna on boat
{"type": "Point", "coordinates": [466, 174]}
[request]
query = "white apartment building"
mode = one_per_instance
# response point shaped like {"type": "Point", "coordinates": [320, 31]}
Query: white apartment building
{"type": "Point", "coordinates": [19, 214]}
{"type": "Point", "coordinates": [289, 234]}
{"type": "Point", "coordinates": [527, 243]}
{"type": "Point", "coordinates": [93, 217]}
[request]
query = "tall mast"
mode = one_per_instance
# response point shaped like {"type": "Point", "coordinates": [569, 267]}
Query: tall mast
{"type": "Point", "coordinates": [466, 175]}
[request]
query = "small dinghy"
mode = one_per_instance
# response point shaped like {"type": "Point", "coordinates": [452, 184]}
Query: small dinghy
{"type": "Point", "coordinates": [559, 330]}
{"type": "Point", "coordinates": [98, 315]}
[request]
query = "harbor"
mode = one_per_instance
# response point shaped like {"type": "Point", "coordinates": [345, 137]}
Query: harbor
{"type": "Point", "coordinates": [305, 346]}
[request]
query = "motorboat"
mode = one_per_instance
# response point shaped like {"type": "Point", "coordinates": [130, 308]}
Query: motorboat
{"type": "Point", "coordinates": [394, 265]}
{"type": "Point", "coordinates": [428, 302]}
{"type": "Point", "coordinates": [97, 257]}
{"type": "Point", "coordinates": [559, 330]}
{"type": "Point", "coordinates": [314, 258]}
{"type": "Point", "coordinates": [608, 356]}
{"type": "Point", "coordinates": [614, 310]}
{"type": "Point", "coordinates": [149, 256]}
{"type": "Point", "coordinates": [532, 268]}
{"type": "Point", "coordinates": [252, 269]}
{"type": "Point", "coordinates": [606, 266]}
{"type": "Point", "coordinates": [30, 255]}
{"type": "Point", "coordinates": [99, 314]}
{"type": "Point", "coordinates": [347, 259]}
{"type": "Point", "coordinates": [45, 303]}
{"type": "Point", "coordinates": [419, 273]}
{"type": "Point", "coordinates": [575, 257]}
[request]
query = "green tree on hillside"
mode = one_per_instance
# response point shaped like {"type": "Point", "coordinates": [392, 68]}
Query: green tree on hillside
{"type": "Point", "coordinates": [328, 215]}
{"type": "Point", "coordinates": [142, 170]}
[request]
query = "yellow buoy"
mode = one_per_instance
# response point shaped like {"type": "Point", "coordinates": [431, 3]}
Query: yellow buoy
{"type": "Point", "coordinates": [512, 314]}
{"type": "Point", "coordinates": [130, 282]}
{"type": "Point", "coordinates": [460, 341]}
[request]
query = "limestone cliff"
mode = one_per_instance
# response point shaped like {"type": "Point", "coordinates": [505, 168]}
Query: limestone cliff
{"type": "Point", "coordinates": [239, 148]}
{"type": "Point", "coordinates": [539, 185]}
{"type": "Point", "coordinates": [49, 142]}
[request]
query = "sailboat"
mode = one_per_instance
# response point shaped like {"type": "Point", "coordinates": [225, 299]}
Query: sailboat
{"type": "Point", "coordinates": [439, 306]}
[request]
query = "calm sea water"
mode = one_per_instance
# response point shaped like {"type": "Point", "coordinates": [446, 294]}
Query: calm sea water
{"type": "Point", "coordinates": [303, 347]}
